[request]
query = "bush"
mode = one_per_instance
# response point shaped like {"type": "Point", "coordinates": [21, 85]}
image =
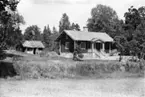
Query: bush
{"type": "Point", "coordinates": [80, 55]}
{"type": "Point", "coordinates": [47, 53]}
{"type": "Point", "coordinates": [59, 68]}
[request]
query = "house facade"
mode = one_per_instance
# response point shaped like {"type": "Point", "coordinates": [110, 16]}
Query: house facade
{"type": "Point", "coordinates": [92, 44]}
{"type": "Point", "coordinates": [33, 47]}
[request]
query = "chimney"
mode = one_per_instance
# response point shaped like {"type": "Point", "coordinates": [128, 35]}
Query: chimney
{"type": "Point", "coordinates": [85, 29]}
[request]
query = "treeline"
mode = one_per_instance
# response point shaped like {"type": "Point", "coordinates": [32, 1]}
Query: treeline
{"type": "Point", "coordinates": [129, 33]}
{"type": "Point", "coordinates": [47, 36]}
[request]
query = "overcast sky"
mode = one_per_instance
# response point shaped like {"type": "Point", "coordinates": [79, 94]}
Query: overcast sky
{"type": "Point", "coordinates": [43, 12]}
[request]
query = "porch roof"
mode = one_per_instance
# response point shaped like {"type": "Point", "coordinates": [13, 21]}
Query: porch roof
{"type": "Point", "coordinates": [89, 36]}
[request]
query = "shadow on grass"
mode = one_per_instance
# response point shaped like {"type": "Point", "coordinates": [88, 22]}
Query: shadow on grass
{"type": "Point", "coordinates": [11, 55]}
{"type": "Point", "coordinates": [6, 66]}
{"type": "Point", "coordinates": [7, 69]}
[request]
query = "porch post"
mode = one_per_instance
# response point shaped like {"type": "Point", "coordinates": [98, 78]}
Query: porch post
{"type": "Point", "coordinates": [74, 45]}
{"type": "Point", "coordinates": [103, 46]}
{"type": "Point", "coordinates": [60, 47]}
{"type": "Point", "coordinates": [93, 49]}
{"type": "Point", "coordinates": [110, 47]}
{"type": "Point", "coordinates": [26, 50]}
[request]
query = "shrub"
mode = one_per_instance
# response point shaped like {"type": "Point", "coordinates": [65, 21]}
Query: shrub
{"type": "Point", "coordinates": [80, 55]}
{"type": "Point", "coordinates": [58, 68]}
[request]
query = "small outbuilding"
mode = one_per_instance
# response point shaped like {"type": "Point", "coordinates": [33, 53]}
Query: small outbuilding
{"type": "Point", "coordinates": [33, 47]}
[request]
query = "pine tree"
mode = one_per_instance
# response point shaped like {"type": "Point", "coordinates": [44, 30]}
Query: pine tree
{"type": "Point", "coordinates": [64, 23]}
{"type": "Point", "coordinates": [46, 36]}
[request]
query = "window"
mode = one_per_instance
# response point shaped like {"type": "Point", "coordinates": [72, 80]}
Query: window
{"type": "Point", "coordinates": [29, 49]}
{"type": "Point", "coordinates": [83, 45]}
{"type": "Point", "coordinates": [66, 45]}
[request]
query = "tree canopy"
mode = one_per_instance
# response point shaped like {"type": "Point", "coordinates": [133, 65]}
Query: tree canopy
{"type": "Point", "coordinates": [32, 33]}
{"type": "Point", "coordinates": [103, 18]}
{"type": "Point", "coordinates": [10, 20]}
{"type": "Point", "coordinates": [133, 32]}
{"type": "Point", "coordinates": [74, 26]}
{"type": "Point", "coordinates": [46, 36]}
{"type": "Point", "coordinates": [64, 23]}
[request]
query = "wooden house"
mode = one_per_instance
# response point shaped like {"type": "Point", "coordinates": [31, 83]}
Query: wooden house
{"type": "Point", "coordinates": [93, 44]}
{"type": "Point", "coordinates": [33, 47]}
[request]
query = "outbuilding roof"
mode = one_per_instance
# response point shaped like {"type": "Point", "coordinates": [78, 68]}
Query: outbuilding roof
{"type": "Point", "coordinates": [88, 36]}
{"type": "Point", "coordinates": [33, 44]}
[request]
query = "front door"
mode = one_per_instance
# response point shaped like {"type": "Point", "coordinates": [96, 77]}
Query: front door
{"type": "Point", "coordinates": [97, 46]}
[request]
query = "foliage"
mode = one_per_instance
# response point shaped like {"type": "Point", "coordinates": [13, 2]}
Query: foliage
{"type": "Point", "coordinates": [75, 27]}
{"type": "Point", "coordinates": [32, 33]}
{"type": "Point", "coordinates": [133, 31]}
{"type": "Point", "coordinates": [10, 20]}
{"type": "Point", "coordinates": [51, 44]}
{"type": "Point", "coordinates": [60, 68]}
{"type": "Point", "coordinates": [64, 23]}
{"type": "Point", "coordinates": [46, 36]}
{"type": "Point", "coordinates": [54, 44]}
{"type": "Point", "coordinates": [103, 18]}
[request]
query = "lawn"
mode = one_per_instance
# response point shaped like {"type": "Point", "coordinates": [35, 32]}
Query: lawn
{"type": "Point", "coordinates": [35, 76]}
{"type": "Point", "coordinates": [132, 87]}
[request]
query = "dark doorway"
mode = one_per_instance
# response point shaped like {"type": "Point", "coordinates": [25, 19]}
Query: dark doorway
{"type": "Point", "coordinates": [98, 46]}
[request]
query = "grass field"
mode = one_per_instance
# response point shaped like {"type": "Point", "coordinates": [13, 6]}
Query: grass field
{"type": "Point", "coordinates": [73, 88]}
{"type": "Point", "coordinates": [92, 78]}
{"type": "Point", "coordinates": [52, 66]}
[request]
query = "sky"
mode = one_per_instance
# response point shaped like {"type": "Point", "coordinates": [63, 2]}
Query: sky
{"type": "Point", "coordinates": [44, 12]}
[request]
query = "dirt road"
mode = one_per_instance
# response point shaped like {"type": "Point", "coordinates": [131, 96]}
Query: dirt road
{"type": "Point", "coordinates": [73, 88]}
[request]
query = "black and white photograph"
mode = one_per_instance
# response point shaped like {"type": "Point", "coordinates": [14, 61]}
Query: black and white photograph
{"type": "Point", "coordinates": [72, 48]}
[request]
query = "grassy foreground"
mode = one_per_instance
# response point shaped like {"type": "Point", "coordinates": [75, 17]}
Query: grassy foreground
{"type": "Point", "coordinates": [127, 87]}
{"type": "Point", "coordinates": [25, 66]}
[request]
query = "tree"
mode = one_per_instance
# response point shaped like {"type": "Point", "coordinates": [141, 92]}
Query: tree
{"type": "Point", "coordinates": [54, 45]}
{"type": "Point", "coordinates": [46, 36]}
{"type": "Point", "coordinates": [75, 27]}
{"type": "Point", "coordinates": [54, 30]}
{"type": "Point", "coordinates": [133, 31]}
{"type": "Point", "coordinates": [14, 35]}
{"type": "Point", "coordinates": [32, 33]}
{"type": "Point", "coordinates": [64, 23]}
{"type": "Point", "coordinates": [103, 18]}
{"type": "Point", "coordinates": [7, 10]}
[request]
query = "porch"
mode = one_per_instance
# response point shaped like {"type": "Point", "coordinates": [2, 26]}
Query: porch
{"type": "Point", "coordinates": [90, 50]}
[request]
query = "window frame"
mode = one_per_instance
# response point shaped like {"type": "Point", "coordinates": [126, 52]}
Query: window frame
{"type": "Point", "coordinates": [83, 45]}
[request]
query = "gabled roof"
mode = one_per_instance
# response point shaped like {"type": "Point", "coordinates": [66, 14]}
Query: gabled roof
{"type": "Point", "coordinates": [33, 44]}
{"type": "Point", "coordinates": [88, 36]}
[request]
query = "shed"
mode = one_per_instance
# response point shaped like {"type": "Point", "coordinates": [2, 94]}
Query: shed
{"type": "Point", "coordinates": [33, 47]}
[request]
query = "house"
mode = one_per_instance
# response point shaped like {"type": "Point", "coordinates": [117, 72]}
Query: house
{"type": "Point", "coordinates": [93, 44]}
{"type": "Point", "coordinates": [33, 47]}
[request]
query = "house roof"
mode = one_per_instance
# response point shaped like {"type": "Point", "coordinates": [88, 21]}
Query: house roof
{"type": "Point", "coordinates": [33, 44]}
{"type": "Point", "coordinates": [88, 36]}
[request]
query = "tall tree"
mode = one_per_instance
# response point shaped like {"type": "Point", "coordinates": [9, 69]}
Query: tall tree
{"type": "Point", "coordinates": [103, 18]}
{"type": "Point", "coordinates": [7, 7]}
{"type": "Point", "coordinates": [54, 30]}
{"type": "Point", "coordinates": [32, 33]}
{"type": "Point", "coordinates": [54, 35]}
{"type": "Point", "coordinates": [64, 23]}
{"type": "Point", "coordinates": [7, 10]}
{"type": "Point", "coordinates": [133, 31]}
{"type": "Point", "coordinates": [46, 36]}
{"type": "Point", "coordinates": [14, 31]}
